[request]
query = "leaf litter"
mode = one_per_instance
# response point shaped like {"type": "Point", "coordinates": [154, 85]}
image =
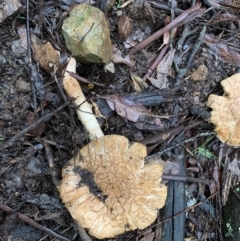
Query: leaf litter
{"type": "Point", "coordinates": [205, 165]}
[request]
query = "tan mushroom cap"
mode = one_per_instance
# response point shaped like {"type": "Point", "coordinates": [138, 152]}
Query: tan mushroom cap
{"type": "Point", "coordinates": [108, 189]}
{"type": "Point", "coordinates": [226, 111]}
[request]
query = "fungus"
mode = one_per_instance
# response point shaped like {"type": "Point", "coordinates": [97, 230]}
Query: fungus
{"type": "Point", "coordinates": [84, 111]}
{"type": "Point", "coordinates": [106, 187]}
{"type": "Point", "coordinates": [225, 111]}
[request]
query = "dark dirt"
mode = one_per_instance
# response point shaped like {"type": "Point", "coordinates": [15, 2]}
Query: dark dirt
{"type": "Point", "coordinates": [88, 180]}
{"type": "Point", "coordinates": [25, 170]}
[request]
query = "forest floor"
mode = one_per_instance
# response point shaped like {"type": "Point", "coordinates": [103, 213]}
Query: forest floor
{"type": "Point", "coordinates": [40, 132]}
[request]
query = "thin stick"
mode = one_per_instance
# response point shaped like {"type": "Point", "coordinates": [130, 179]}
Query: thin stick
{"type": "Point", "coordinates": [28, 220]}
{"type": "Point", "coordinates": [182, 72]}
{"type": "Point", "coordinates": [84, 80]}
{"type": "Point", "coordinates": [35, 124]}
{"type": "Point", "coordinates": [159, 154]}
{"type": "Point", "coordinates": [82, 232]}
{"type": "Point", "coordinates": [183, 18]}
{"type": "Point", "coordinates": [164, 6]}
{"type": "Point", "coordinates": [28, 33]}
{"type": "Point", "coordinates": [155, 63]}
{"type": "Point", "coordinates": [185, 179]}
{"type": "Point", "coordinates": [184, 211]}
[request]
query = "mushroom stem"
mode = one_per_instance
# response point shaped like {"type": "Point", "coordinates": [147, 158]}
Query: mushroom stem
{"type": "Point", "coordinates": [84, 111]}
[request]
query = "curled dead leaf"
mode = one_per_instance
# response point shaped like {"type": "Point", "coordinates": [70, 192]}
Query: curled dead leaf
{"type": "Point", "coordinates": [118, 59]}
{"type": "Point", "coordinates": [131, 110]}
{"type": "Point", "coordinates": [45, 54]}
{"type": "Point", "coordinates": [223, 50]}
{"type": "Point", "coordinates": [163, 70]}
{"type": "Point", "coordinates": [138, 83]}
{"type": "Point", "coordinates": [124, 27]}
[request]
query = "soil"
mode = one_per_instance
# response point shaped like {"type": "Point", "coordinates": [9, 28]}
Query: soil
{"type": "Point", "coordinates": [31, 161]}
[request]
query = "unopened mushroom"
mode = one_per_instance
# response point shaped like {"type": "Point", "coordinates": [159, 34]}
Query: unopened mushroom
{"type": "Point", "coordinates": [225, 111]}
{"type": "Point", "coordinates": [106, 187]}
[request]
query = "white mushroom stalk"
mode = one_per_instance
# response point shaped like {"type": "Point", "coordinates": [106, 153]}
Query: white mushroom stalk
{"type": "Point", "coordinates": [84, 111]}
{"type": "Point", "coordinates": [106, 186]}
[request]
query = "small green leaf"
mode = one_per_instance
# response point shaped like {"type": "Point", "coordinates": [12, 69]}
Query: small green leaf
{"type": "Point", "coordinates": [205, 152]}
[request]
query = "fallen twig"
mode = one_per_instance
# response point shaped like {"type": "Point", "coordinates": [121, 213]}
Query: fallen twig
{"type": "Point", "coordinates": [164, 6]}
{"type": "Point", "coordinates": [183, 18]}
{"type": "Point", "coordinates": [182, 72]}
{"type": "Point", "coordinates": [185, 33]}
{"type": "Point", "coordinates": [35, 124]}
{"type": "Point", "coordinates": [54, 172]}
{"type": "Point", "coordinates": [155, 63]}
{"type": "Point", "coordinates": [84, 80]}
{"type": "Point", "coordinates": [82, 232]}
{"type": "Point", "coordinates": [158, 154]}
{"type": "Point", "coordinates": [185, 210]}
{"type": "Point", "coordinates": [28, 33]}
{"type": "Point", "coordinates": [185, 179]}
{"type": "Point", "coordinates": [162, 136]}
{"type": "Point", "coordinates": [28, 220]}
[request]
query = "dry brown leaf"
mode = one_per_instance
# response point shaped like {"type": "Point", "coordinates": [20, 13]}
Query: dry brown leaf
{"type": "Point", "coordinates": [148, 236]}
{"type": "Point", "coordinates": [129, 109]}
{"type": "Point", "coordinates": [225, 17]}
{"type": "Point", "coordinates": [138, 83]}
{"type": "Point", "coordinates": [124, 27]}
{"type": "Point", "coordinates": [163, 70]}
{"type": "Point", "coordinates": [118, 59]}
{"type": "Point", "coordinates": [45, 54]}
{"type": "Point", "coordinates": [166, 36]}
{"type": "Point", "coordinates": [222, 50]}
{"type": "Point", "coordinates": [129, 43]}
{"type": "Point", "coordinates": [225, 111]}
{"type": "Point", "coordinates": [109, 67]}
{"type": "Point", "coordinates": [39, 129]}
{"type": "Point", "coordinates": [233, 167]}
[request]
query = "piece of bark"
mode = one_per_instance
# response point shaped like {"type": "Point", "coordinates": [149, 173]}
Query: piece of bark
{"type": "Point", "coordinates": [155, 97]}
{"type": "Point", "coordinates": [179, 206]}
{"type": "Point", "coordinates": [174, 229]}
{"type": "Point", "coordinates": [147, 98]}
{"type": "Point", "coordinates": [8, 8]}
{"type": "Point", "coordinates": [162, 136]}
{"type": "Point", "coordinates": [168, 212]}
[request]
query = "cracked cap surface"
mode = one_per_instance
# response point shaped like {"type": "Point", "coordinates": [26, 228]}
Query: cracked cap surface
{"type": "Point", "coordinates": [225, 111]}
{"type": "Point", "coordinates": [124, 195]}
